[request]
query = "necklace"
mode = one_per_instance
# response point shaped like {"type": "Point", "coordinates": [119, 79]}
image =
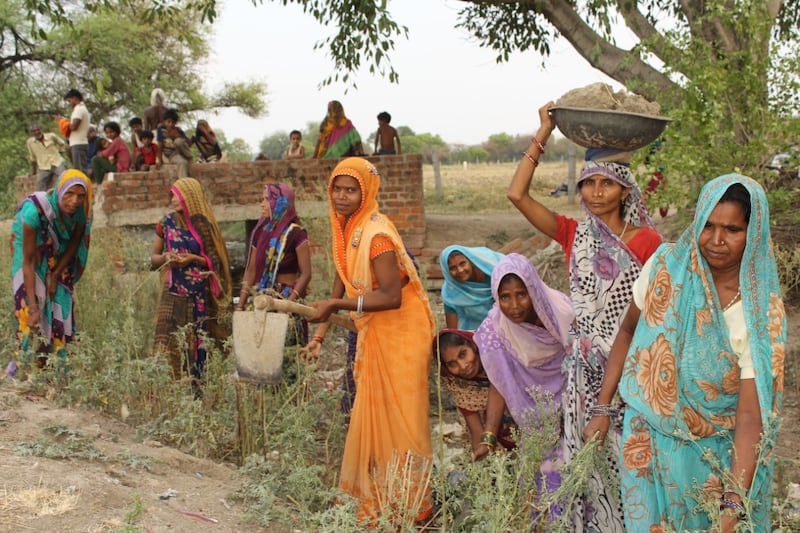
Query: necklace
{"type": "Point", "coordinates": [736, 298]}
{"type": "Point", "coordinates": [624, 229]}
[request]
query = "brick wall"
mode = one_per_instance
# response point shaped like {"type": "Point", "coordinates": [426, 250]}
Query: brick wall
{"type": "Point", "coordinates": [234, 190]}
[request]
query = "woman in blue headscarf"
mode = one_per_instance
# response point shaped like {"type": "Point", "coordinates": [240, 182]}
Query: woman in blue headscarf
{"type": "Point", "coordinates": [467, 290]}
{"type": "Point", "coordinates": [50, 242]}
{"type": "Point", "coordinates": [703, 377]}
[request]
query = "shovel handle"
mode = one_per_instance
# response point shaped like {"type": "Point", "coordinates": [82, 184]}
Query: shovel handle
{"type": "Point", "coordinates": [285, 306]}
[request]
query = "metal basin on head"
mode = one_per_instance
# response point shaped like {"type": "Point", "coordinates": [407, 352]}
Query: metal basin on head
{"type": "Point", "coordinates": [601, 128]}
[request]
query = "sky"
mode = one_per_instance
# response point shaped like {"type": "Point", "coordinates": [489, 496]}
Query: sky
{"type": "Point", "coordinates": [448, 85]}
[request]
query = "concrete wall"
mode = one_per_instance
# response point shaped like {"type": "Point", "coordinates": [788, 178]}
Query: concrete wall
{"type": "Point", "coordinates": [234, 190]}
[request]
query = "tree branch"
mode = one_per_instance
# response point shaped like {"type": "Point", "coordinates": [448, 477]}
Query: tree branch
{"type": "Point", "coordinates": [625, 66]}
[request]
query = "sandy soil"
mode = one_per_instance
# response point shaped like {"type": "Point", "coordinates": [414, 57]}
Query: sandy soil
{"type": "Point", "coordinates": [178, 492]}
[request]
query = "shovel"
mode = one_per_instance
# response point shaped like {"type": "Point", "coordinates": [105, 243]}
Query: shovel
{"type": "Point", "coordinates": [259, 337]}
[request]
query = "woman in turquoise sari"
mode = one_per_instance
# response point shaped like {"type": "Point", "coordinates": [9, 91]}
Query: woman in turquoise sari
{"type": "Point", "coordinates": [467, 289]}
{"type": "Point", "coordinates": [50, 243]}
{"type": "Point", "coordinates": [703, 377]}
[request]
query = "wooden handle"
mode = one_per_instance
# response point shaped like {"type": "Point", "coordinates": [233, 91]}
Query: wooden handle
{"type": "Point", "coordinates": [285, 306]}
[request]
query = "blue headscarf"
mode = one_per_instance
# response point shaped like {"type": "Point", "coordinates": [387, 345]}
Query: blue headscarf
{"type": "Point", "coordinates": [681, 376]}
{"type": "Point", "coordinates": [469, 299]}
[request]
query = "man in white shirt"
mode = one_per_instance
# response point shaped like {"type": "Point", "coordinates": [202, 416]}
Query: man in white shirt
{"type": "Point", "coordinates": [79, 123]}
{"type": "Point", "coordinates": [44, 153]}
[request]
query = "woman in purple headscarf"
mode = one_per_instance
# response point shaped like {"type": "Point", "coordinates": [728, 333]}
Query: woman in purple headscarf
{"type": "Point", "coordinates": [605, 252]}
{"type": "Point", "coordinates": [522, 343]}
{"type": "Point", "coordinates": [279, 256]}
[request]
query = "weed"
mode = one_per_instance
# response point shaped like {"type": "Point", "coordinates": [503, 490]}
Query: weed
{"type": "Point", "coordinates": [136, 512]}
{"type": "Point", "coordinates": [788, 260]}
{"type": "Point", "coordinates": [135, 461]}
{"type": "Point", "coordinates": [500, 237]}
{"type": "Point", "coordinates": [66, 444]}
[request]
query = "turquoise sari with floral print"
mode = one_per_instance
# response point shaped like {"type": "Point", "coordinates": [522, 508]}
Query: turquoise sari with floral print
{"type": "Point", "coordinates": [681, 379]}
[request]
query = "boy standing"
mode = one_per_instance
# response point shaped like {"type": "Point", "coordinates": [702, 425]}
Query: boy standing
{"type": "Point", "coordinates": [136, 128]}
{"type": "Point", "coordinates": [79, 129]}
{"type": "Point", "coordinates": [387, 142]}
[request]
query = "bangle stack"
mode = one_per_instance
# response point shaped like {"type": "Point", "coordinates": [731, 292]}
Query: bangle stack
{"type": "Point", "coordinates": [539, 144]}
{"type": "Point", "coordinates": [296, 294]}
{"type": "Point", "coordinates": [531, 159]}
{"type": "Point", "coordinates": [489, 440]}
{"type": "Point", "coordinates": [738, 508]}
{"type": "Point", "coordinates": [603, 410]}
{"type": "Point", "coordinates": [318, 338]}
{"type": "Point", "coordinates": [360, 306]}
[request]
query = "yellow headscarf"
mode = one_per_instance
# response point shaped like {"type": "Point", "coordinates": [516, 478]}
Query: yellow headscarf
{"type": "Point", "coordinates": [72, 177]}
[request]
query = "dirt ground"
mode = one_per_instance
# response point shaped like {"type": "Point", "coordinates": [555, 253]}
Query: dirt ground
{"type": "Point", "coordinates": [174, 491]}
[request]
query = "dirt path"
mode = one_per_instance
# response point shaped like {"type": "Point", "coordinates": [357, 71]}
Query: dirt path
{"type": "Point", "coordinates": [177, 492]}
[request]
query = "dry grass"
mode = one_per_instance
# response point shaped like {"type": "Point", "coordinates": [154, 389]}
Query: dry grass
{"type": "Point", "coordinates": [481, 187]}
{"type": "Point", "coordinates": [27, 503]}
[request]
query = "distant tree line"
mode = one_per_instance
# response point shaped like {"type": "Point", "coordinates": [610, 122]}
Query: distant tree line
{"type": "Point", "coordinates": [499, 147]}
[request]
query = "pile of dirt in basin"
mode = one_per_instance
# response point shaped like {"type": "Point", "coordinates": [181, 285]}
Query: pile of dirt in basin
{"type": "Point", "coordinates": [602, 96]}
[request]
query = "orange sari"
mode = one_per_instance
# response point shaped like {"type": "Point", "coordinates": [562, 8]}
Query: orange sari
{"type": "Point", "coordinates": [388, 452]}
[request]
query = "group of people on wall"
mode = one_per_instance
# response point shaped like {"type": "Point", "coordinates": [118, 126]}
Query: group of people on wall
{"type": "Point", "coordinates": [669, 355]}
{"type": "Point", "coordinates": [154, 141]}
{"type": "Point", "coordinates": [157, 139]}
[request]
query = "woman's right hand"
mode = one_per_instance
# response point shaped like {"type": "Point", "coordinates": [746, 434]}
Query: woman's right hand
{"type": "Point", "coordinates": [34, 319]}
{"type": "Point", "coordinates": [597, 425]}
{"type": "Point", "coordinates": [546, 119]}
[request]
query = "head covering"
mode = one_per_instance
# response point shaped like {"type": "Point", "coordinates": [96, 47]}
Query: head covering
{"type": "Point", "coordinates": [337, 135]}
{"type": "Point", "coordinates": [269, 235]}
{"type": "Point", "coordinates": [352, 260]}
{"type": "Point", "coordinates": [369, 180]}
{"type": "Point", "coordinates": [471, 300]}
{"type": "Point", "coordinates": [336, 113]}
{"type": "Point", "coordinates": [682, 374]}
{"type": "Point", "coordinates": [69, 179]}
{"type": "Point", "coordinates": [602, 268]}
{"type": "Point", "coordinates": [464, 334]}
{"type": "Point", "coordinates": [202, 224]}
{"type": "Point", "coordinates": [520, 357]}
{"type": "Point", "coordinates": [633, 207]}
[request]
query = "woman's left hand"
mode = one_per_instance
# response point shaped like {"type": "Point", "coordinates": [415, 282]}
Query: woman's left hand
{"type": "Point", "coordinates": [183, 260]}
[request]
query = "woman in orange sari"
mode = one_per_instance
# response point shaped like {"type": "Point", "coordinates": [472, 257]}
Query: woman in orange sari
{"type": "Point", "coordinates": [377, 282]}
